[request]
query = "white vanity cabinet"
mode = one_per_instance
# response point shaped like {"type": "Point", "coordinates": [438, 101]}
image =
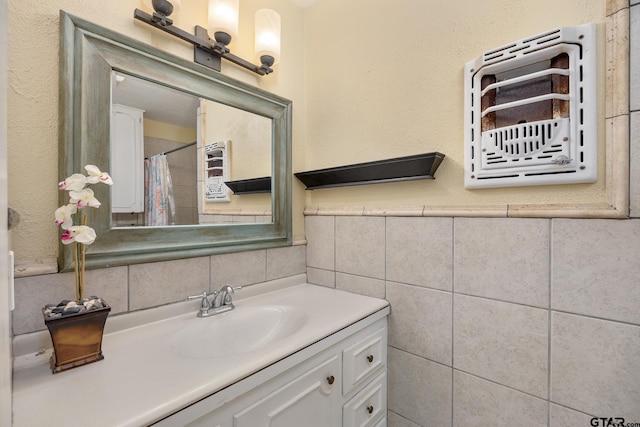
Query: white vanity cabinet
{"type": "Point", "coordinates": [338, 381]}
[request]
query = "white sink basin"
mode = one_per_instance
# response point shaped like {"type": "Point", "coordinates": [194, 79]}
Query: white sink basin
{"type": "Point", "coordinates": [239, 331]}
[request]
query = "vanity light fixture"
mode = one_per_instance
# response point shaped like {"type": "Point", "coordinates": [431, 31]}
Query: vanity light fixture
{"type": "Point", "coordinates": [223, 22]}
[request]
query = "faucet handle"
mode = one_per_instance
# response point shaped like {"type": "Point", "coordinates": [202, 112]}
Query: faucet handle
{"type": "Point", "coordinates": [225, 294]}
{"type": "Point", "coordinates": [204, 304]}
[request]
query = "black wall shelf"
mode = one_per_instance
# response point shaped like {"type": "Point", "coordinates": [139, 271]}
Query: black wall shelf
{"type": "Point", "coordinates": [419, 166]}
{"type": "Point", "coordinates": [250, 186]}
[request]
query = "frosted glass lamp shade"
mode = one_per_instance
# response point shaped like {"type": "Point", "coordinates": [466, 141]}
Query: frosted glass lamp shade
{"type": "Point", "coordinates": [267, 40]}
{"type": "Point", "coordinates": [175, 3]}
{"type": "Point", "coordinates": [223, 16]}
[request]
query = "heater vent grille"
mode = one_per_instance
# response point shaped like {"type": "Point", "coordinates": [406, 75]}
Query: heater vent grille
{"type": "Point", "coordinates": [528, 144]}
{"type": "Point", "coordinates": [530, 110]}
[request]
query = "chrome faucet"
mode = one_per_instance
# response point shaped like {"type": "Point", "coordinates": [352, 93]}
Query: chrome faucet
{"type": "Point", "coordinates": [222, 298]}
{"type": "Point", "coordinates": [222, 301]}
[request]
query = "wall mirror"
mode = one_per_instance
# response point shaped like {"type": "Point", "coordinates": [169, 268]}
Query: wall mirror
{"type": "Point", "coordinates": [203, 149]}
{"type": "Point", "coordinates": [97, 65]}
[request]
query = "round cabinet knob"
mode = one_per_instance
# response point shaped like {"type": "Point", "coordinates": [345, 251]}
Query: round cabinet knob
{"type": "Point", "coordinates": [370, 358]}
{"type": "Point", "coordinates": [370, 409]}
{"type": "Point", "coordinates": [330, 379]}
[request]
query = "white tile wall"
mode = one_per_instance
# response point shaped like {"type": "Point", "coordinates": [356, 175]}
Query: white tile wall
{"type": "Point", "coordinates": [420, 321]}
{"type": "Point", "coordinates": [320, 233]}
{"type": "Point", "coordinates": [503, 258]}
{"type": "Point", "coordinates": [634, 104]}
{"type": "Point", "coordinates": [419, 389]}
{"type": "Point", "coordinates": [502, 342]}
{"type": "Point", "coordinates": [594, 365]}
{"type": "Point", "coordinates": [166, 282]}
{"type": "Point", "coordinates": [32, 293]}
{"type": "Point", "coordinates": [634, 161]}
{"type": "Point", "coordinates": [563, 417]}
{"type": "Point", "coordinates": [493, 336]}
{"type": "Point", "coordinates": [412, 244]}
{"type": "Point", "coordinates": [634, 56]}
{"type": "Point", "coordinates": [478, 402]}
{"type": "Point", "coordinates": [360, 246]}
{"type": "Point", "coordinates": [361, 285]}
{"type": "Point", "coordinates": [142, 286]}
{"type": "Point", "coordinates": [225, 271]}
{"type": "Point", "coordinates": [595, 268]}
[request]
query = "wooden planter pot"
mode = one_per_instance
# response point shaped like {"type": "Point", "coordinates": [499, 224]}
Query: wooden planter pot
{"type": "Point", "coordinates": [77, 338]}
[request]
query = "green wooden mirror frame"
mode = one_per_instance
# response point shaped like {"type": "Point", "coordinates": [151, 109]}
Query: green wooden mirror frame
{"type": "Point", "coordinates": [88, 55]}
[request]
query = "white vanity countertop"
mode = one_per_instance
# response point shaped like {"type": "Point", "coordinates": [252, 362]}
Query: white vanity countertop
{"type": "Point", "coordinates": [143, 378]}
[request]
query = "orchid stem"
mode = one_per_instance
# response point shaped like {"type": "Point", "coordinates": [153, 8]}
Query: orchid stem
{"type": "Point", "coordinates": [82, 249]}
{"type": "Point", "coordinates": [77, 269]}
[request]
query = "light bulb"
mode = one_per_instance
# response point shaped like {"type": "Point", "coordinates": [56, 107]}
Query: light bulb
{"type": "Point", "coordinates": [223, 16]}
{"type": "Point", "coordinates": [267, 41]}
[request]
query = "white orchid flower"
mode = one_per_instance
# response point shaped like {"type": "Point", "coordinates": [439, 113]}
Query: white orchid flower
{"type": "Point", "coordinates": [75, 182]}
{"type": "Point", "coordinates": [96, 175]}
{"type": "Point", "coordinates": [64, 215]}
{"type": "Point", "coordinates": [84, 198]}
{"type": "Point", "coordinates": [79, 233]}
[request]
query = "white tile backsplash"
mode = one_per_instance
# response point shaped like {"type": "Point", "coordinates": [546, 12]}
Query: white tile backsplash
{"type": "Point", "coordinates": [320, 233]}
{"type": "Point", "coordinates": [161, 283]}
{"type": "Point", "coordinates": [32, 293]}
{"type": "Point", "coordinates": [360, 246]}
{"type": "Point", "coordinates": [286, 261]}
{"type": "Point", "coordinates": [238, 269]}
{"type": "Point", "coordinates": [420, 321]}
{"type": "Point", "coordinates": [318, 276]}
{"type": "Point", "coordinates": [360, 285]}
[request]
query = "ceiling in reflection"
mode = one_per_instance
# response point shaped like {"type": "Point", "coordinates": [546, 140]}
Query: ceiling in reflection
{"type": "Point", "coordinates": [160, 103]}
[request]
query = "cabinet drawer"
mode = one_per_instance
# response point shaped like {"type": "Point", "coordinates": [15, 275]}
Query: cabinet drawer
{"type": "Point", "coordinates": [382, 423]}
{"type": "Point", "coordinates": [363, 359]}
{"type": "Point", "coordinates": [310, 397]}
{"type": "Point", "coordinates": [368, 407]}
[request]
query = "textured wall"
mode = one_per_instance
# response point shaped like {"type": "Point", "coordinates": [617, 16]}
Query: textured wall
{"type": "Point", "coordinates": [495, 321]}
{"type": "Point", "coordinates": [393, 86]}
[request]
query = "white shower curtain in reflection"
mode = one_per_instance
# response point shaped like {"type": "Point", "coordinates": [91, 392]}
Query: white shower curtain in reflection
{"type": "Point", "coordinates": [159, 202]}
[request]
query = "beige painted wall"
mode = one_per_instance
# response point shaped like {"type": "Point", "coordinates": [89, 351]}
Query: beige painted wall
{"type": "Point", "coordinates": [369, 79]}
{"type": "Point", "coordinates": [33, 97]}
{"type": "Point", "coordinates": [385, 79]}
{"type": "Point", "coordinates": [155, 129]}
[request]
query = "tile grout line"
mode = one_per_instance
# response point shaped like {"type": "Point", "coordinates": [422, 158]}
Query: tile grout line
{"type": "Point", "coordinates": [453, 267]}
{"type": "Point", "coordinates": [550, 276]}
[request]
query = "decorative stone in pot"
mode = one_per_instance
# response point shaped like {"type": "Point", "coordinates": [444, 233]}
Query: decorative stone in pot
{"type": "Point", "coordinates": [76, 330]}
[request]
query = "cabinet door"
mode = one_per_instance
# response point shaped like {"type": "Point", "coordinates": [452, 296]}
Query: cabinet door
{"type": "Point", "coordinates": [127, 159]}
{"type": "Point", "coordinates": [312, 400]}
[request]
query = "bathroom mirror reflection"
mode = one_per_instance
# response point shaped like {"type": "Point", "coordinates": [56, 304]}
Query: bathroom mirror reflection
{"type": "Point", "coordinates": [173, 154]}
{"type": "Point", "coordinates": [92, 57]}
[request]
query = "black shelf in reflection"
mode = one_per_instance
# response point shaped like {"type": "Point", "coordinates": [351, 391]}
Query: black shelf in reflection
{"type": "Point", "coordinates": [250, 186]}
